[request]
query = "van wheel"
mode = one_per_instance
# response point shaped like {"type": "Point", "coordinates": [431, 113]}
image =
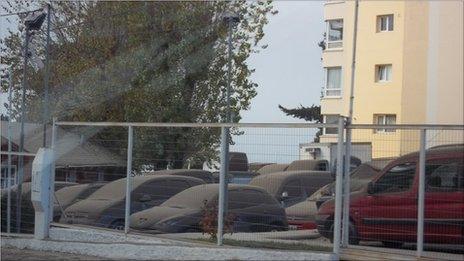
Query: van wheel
{"type": "Point", "coordinates": [118, 225]}
{"type": "Point", "coordinates": [392, 244]}
{"type": "Point", "coordinates": [354, 239]}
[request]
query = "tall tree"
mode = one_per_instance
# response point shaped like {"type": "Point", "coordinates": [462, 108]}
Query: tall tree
{"type": "Point", "coordinates": [145, 62]}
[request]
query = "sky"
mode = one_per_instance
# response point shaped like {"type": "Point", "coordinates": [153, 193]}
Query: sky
{"type": "Point", "coordinates": [289, 71]}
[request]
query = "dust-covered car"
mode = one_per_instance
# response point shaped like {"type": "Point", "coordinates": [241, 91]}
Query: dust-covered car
{"type": "Point", "coordinates": [250, 209]}
{"type": "Point", "coordinates": [205, 175]}
{"type": "Point", "coordinates": [271, 168]}
{"type": "Point", "coordinates": [106, 206]}
{"type": "Point", "coordinates": [67, 196]}
{"type": "Point", "coordinates": [291, 187]}
{"type": "Point", "coordinates": [27, 209]}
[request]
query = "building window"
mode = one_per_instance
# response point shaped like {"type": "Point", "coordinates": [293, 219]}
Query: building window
{"type": "Point", "coordinates": [383, 72]}
{"type": "Point", "coordinates": [330, 119]}
{"type": "Point", "coordinates": [333, 82]}
{"type": "Point", "coordinates": [384, 119]}
{"type": "Point", "coordinates": [384, 23]}
{"type": "Point", "coordinates": [334, 34]}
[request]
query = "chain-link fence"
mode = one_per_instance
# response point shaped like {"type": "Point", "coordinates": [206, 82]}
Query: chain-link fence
{"type": "Point", "coordinates": [283, 190]}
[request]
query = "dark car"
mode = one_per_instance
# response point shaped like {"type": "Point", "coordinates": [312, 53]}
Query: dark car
{"type": "Point", "coordinates": [106, 206]}
{"type": "Point", "coordinates": [27, 209]}
{"type": "Point", "coordinates": [291, 187]}
{"type": "Point", "coordinates": [206, 176]}
{"type": "Point", "coordinates": [67, 196]}
{"type": "Point", "coordinates": [251, 209]}
{"type": "Point", "coordinates": [386, 209]}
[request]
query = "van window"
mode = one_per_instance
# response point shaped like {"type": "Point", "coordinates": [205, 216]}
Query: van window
{"type": "Point", "coordinates": [445, 175]}
{"type": "Point", "coordinates": [397, 179]}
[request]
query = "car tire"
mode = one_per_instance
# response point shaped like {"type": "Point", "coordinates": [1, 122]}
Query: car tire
{"type": "Point", "coordinates": [275, 227]}
{"type": "Point", "coordinates": [118, 224]}
{"type": "Point", "coordinates": [392, 244]}
{"type": "Point", "coordinates": [354, 238]}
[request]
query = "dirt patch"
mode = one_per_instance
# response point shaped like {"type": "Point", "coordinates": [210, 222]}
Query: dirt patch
{"type": "Point", "coordinates": [9, 253]}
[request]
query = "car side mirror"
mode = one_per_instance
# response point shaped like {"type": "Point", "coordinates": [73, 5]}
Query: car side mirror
{"type": "Point", "coordinates": [371, 188]}
{"type": "Point", "coordinates": [145, 198]}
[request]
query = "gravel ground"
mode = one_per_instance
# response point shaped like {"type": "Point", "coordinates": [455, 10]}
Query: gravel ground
{"type": "Point", "coordinates": [9, 253]}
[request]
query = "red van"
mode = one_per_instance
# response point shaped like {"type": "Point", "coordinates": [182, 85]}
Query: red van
{"type": "Point", "coordinates": [386, 209]}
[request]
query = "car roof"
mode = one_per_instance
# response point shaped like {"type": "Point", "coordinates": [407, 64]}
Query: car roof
{"type": "Point", "coordinates": [304, 164]}
{"type": "Point", "coordinates": [273, 181]}
{"type": "Point", "coordinates": [436, 151]}
{"type": "Point", "coordinates": [271, 168]}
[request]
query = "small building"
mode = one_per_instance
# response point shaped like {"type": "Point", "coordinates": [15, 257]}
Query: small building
{"type": "Point", "coordinates": [78, 160]}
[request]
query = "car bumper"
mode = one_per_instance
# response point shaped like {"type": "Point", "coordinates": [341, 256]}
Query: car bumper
{"type": "Point", "coordinates": [301, 224]}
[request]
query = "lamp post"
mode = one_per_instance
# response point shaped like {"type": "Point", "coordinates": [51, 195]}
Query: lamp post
{"type": "Point", "coordinates": [230, 19]}
{"type": "Point", "coordinates": [33, 22]}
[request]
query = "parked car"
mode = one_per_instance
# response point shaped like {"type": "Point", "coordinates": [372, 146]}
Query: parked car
{"type": "Point", "coordinates": [291, 187]}
{"type": "Point", "coordinates": [67, 196]}
{"type": "Point", "coordinates": [322, 165]}
{"type": "Point", "coordinates": [251, 208]}
{"type": "Point", "coordinates": [27, 209]}
{"type": "Point", "coordinates": [255, 166]}
{"type": "Point", "coordinates": [106, 206]}
{"type": "Point", "coordinates": [237, 177]}
{"type": "Point", "coordinates": [386, 209]}
{"type": "Point", "coordinates": [206, 176]}
{"type": "Point", "coordinates": [303, 214]}
{"type": "Point", "coordinates": [271, 168]}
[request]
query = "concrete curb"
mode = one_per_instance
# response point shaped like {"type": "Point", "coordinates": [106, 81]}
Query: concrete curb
{"type": "Point", "coordinates": [146, 248]}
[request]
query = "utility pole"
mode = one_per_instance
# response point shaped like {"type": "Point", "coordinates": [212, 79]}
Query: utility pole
{"type": "Point", "coordinates": [230, 19]}
{"type": "Point", "coordinates": [46, 115]}
{"type": "Point", "coordinates": [21, 135]}
{"type": "Point", "coordinates": [33, 22]}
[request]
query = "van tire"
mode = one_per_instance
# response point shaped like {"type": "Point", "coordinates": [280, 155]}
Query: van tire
{"type": "Point", "coordinates": [354, 239]}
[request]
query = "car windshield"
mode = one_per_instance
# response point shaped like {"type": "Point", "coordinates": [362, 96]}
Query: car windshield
{"type": "Point", "coordinates": [68, 194]}
{"type": "Point", "coordinates": [193, 197]}
{"type": "Point", "coordinates": [115, 189]}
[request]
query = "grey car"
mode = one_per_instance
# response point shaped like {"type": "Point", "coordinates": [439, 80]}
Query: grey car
{"type": "Point", "coordinates": [250, 208]}
{"type": "Point", "coordinates": [67, 196]}
{"type": "Point", "coordinates": [106, 206]}
{"type": "Point", "coordinates": [27, 209]}
{"type": "Point", "coordinates": [291, 187]}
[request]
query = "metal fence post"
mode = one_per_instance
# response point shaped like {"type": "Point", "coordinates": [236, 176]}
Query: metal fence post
{"type": "Point", "coordinates": [8, 202]}
{"type": "Point", "coordinates": [421, 194]}
{"type": "Point", "coordinates": [128, 179]}
{"type": "Point", "coordinates": [52, 174]}
{"type": "Point", "coordinates": [223, 183]}
{"type": "Point", "coordinates": [346, 190]}
{"type": "Point", "coordinates": [338, 190]}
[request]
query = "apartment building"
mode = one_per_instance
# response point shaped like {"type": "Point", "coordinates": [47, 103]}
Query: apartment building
{"type": "Point", "coordinates": [409, 70]}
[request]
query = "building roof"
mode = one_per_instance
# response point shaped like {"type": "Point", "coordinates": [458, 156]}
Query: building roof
{"type": "Point", "coordinates": [72, 149]}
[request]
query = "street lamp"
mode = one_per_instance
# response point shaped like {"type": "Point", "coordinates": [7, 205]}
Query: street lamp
{"type": "Point", "coordinates": [33, 22]}
{"type": "Point", "coordinates": [230, 19]}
